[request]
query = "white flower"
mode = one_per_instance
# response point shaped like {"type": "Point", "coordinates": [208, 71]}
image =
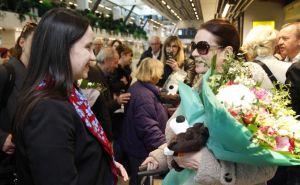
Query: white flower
{"type": "Point", "coordinates": [236, 97]}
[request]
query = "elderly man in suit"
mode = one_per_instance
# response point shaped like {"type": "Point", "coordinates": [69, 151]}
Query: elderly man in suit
{"type": "Point", "coordinates": [289, 46]}
{"type": "Point", "coordinates": [107, 103]}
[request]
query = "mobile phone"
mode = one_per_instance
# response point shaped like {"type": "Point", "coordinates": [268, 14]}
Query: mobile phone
{"type": "Point", "coordinates": [169, 55]}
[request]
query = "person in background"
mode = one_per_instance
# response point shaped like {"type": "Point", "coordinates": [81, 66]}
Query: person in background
{"type": "Point", "coordinates": [289, 42]}
{"type": "Point", "coordinates": [97, 44]}
{"type": "Point", "coordinates": [107, 63]}
{"type": "Point", "coordinates": [259, 46]}
{"type": "Point", "coordinates": [154, 51]}
{"type": "Point", "coordinates": [115, 43]}
{"type": "Point", "coordinates": [19, 63]}
{"type": "Point", "coordinates": [289, 45]}
{"type": "Point", "coordinates": [174, 60]}
{"type": "Point", "coordinates": [121, 79]}
{"type": "Point", "coordinates": [58, 138]}
{"type": "Point", "coordinates": [145, 117]}
{"type": "Point", "coordinates": [4, 55]}
{"type": "Point", "coordinates": [215, 37]}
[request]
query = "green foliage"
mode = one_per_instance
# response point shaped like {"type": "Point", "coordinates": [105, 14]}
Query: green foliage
{"type": "Point", "coordinates": [23, 8]}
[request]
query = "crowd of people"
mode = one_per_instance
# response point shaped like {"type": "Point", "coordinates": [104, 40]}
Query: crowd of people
{"type": "Point", "coordinates": [50, 133]}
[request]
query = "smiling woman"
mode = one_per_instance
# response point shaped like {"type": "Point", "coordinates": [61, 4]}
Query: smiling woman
{"type": "Point", "coordinates": [55, 126]}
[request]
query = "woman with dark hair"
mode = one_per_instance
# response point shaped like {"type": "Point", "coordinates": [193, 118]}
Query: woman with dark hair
{"type": "Point", "coordinates": [58, 138]}
{"type": "Point", "coordinates": [215, 37]}
{"type": "Point", "coordinates": [115, 43]}
{"type": "Point", "coordinates": [174, 61]}
{"type": "Point", "coordinates": [17, 65]}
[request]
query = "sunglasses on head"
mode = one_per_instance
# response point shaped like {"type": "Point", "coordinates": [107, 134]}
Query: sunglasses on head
{"type": "Point", "coordinates": [28, 26]}
{"type": "Point", "coordinates": [202, 47]}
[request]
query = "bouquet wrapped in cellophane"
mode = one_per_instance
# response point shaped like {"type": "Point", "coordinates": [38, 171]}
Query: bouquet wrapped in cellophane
{"type": "Point", "coordinates": [247, 123]}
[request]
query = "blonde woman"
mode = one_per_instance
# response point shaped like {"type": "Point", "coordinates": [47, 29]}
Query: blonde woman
{"type": "Point", "coordinates": [145, 117]}
{"type": "Point", "coordinates": [259, 47]}
{"type": "Point", "coordinates": [174, 61]}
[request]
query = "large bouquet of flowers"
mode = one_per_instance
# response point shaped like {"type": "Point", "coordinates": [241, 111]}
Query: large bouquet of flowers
{"type": "Point", "coordinates": [248, 124]}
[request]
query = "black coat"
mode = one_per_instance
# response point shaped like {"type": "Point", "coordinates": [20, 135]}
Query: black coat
{"type": "Point", "coordinates": [7, 115]}
{"type": "Point", "coordinates": [55, 147]}
{"type": "Point", "coordinates": [148, 53]}
{"type": "Point", "coordinates": [105, 105]}
{"type": "Point", "coordinates": [293, 77]}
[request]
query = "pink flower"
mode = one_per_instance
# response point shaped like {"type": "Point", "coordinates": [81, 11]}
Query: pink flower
{"type": "Point", "coordinates": [260, 94]}
{"type": "Point", "coordinates": [267, 130]}
{"type": "Point", "coordinates": [282, 143]}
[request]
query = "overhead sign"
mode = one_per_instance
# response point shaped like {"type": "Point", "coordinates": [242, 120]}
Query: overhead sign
{"type": "Point", "coordinates": [263, 23]}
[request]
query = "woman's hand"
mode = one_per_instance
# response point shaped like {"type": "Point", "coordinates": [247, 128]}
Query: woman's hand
{"type": "Point", "coordinates": [173, 64]}
{"type": "Point", "coordinates": [151, 163]}
{"type": "Point", "coordinates": [188, 160]}
{"type": "Point", "coordinates": [122, 171]}
{"type": "Point", "coordinates": [8, 146]}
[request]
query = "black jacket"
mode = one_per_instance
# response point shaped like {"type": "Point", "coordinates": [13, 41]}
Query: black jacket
{"type": "Point", "coordinates": [148, 53]}
{"type": "Point", "coordinates": [105, 105]}
{"type": "Point", "coordinates": [55, 147]}
{"type": "Point", "coordinates": [293, 77]}
{"type": "Point", "coordinates": [7, 115]}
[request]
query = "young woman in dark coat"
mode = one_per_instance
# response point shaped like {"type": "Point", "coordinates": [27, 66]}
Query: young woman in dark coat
{"type": "Point", "coordinates": [58, 138]}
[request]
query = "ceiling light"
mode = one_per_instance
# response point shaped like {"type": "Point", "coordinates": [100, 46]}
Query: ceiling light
{"type": "Point", "coordinates": [107, 15]}
{"type": "Point", "coordinates": [90, 1]}
{"type": "Point", "coordinates": [193, 5]}
{"type": "Point", "coordinates": [101, 5]}
{"type": "Point", "coordinates": [163, 2]}
{"type": "Point", "coordinates": [191, 0]}
{"type": "Point", "coordinates": [107, 8]}
{"type": "Point", "coordinates": [168, 7]}
{"type": "Point", "coordinates": [194, 9]}
{"type": "Point", "coordinates": [226, 8]}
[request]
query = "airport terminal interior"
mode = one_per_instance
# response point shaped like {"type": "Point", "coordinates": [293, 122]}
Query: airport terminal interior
{"type": "Point", "coordinates": [149, 92]}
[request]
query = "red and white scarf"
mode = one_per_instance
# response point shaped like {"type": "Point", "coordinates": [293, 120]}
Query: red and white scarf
{"type": "Point", "coordinates": [80, 104]}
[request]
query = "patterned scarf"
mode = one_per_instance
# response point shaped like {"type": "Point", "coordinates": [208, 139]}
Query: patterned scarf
{"type": "Point", "coordinates": [80, 103]}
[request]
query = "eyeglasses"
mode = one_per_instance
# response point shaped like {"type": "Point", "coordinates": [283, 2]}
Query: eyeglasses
{"type": "Point", "coordinates": [172, 46]}
{"type": "Point", "coordinates": [202, 47]}
{"type": "Point", "coordinates": [28, 27]}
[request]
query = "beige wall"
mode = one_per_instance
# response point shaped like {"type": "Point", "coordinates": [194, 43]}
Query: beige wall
{"type": "Point", "coordinates": [7, 38]}
{"type": "Point", "coordinates": [10, 22]}
{"type": "Point", "coordinates": [263, 11]}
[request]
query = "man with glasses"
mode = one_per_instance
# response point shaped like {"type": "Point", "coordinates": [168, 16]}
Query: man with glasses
{"type": "Point", "coordinates": [154, 51]}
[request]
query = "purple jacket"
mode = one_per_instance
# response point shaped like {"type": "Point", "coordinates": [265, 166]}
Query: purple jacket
{"type": "Point", "coordinates": [144, 122]}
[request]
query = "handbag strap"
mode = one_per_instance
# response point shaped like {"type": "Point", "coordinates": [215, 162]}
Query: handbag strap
{"type": "Point", "coordinates": [269, 73]}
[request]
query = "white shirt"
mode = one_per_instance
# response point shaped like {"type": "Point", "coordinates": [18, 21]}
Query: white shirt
{"type": "Point", "coordinates": [295, 59]}
{"type": "Point", "coordinates": [277, 67]}
{"type": "Point", "coordinates": [155, 56]}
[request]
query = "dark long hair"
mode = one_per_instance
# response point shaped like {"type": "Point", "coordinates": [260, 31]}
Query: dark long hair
{"type": "Point", "coordinates": [226, 33]}
{"type": "Point", "coordinates": [49, 59]}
